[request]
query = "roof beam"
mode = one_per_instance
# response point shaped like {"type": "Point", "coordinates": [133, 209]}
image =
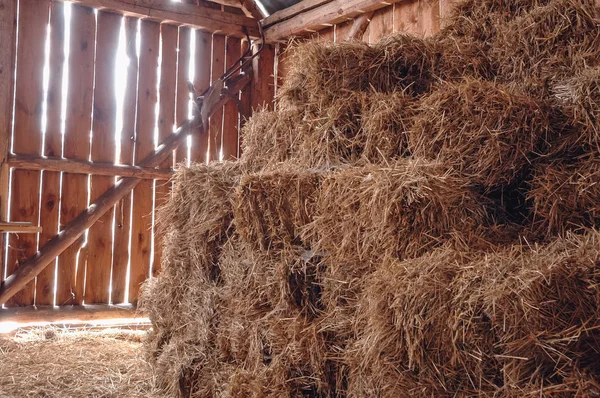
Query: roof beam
{"type": "Point", "coordinates": [168, 11]}
{"type": "Point", "coordinates": [321, 17]}
{"type": "Point", "coordinates": [251, 9]}
{"type": "Point", "coordinates": [292, 11]}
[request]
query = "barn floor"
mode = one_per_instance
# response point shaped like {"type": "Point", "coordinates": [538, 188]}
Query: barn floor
{"type": "Point", "coordinates": [53, 362]}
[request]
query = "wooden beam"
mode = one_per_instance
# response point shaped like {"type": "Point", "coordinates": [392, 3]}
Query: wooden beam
{"type": "Point", "coordinates": [292, 11]}
{"type": "Point", "coordinates": [320, 17]}
{"type": "Point", "coordinates": [168, 11]}
{"type": "Point", "coordinates": [360, 26]}
{"type": "Point", "coordinates": [76, 166]}
{"type": "Point", "coordinates": [251, 9]}
{"type": "Point", "coordinates": [27, 271]}
{"type": "Point", "coordinates": [78, 313]}
{"type": "Point", "coordinates": [19, 227]}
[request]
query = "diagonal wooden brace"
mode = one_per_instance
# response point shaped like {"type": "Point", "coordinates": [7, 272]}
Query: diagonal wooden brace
{"type": "Point", "coordinates": [28, 270]}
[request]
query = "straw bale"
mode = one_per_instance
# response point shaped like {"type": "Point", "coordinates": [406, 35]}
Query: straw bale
{"type": "Point", "coordinates": [271, 207]}
{"type": "Point", "coordinates": [365, 214]}
{"type": "Point", "coordinates": [271, 137]}
{"type": "Point", "coordinates": [553, 40]}
{"type": "Point", "coordinates": [566, 194]}
{"type": "Point", "coordinates": [542, 303]}
{"type": "Point", "coordinates": [484, 130]}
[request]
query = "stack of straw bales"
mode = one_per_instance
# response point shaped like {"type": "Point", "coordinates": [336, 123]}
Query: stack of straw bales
{"type": "Point", "coordinates": [418, 218]}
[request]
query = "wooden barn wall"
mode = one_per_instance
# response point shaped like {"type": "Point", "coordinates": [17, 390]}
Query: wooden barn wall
{"type": "Point", "coordinates": [83, 120]}
{"type": "Point", "coordinates": [417, 17]}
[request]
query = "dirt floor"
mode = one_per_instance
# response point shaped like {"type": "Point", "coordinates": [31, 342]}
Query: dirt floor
{"type": "Point", "coordinates": [54, 362]}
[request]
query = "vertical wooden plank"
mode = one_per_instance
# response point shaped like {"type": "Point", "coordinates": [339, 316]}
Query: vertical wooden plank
{"type": "Point", "coordinates": [141, 227]}
{"type": "Point", "coordinates": [342, 30]}
{"type": "Point", "coordinates": [245, 100]}
{"type": "Point", "coordinates": [229, 144]}
{"type": "Point", "coordinates": [78, 122]}
{"type": "Point", "coordinates": [216, 120]}
{"type": "Point", "coordinates": [429, 15]}
{"type": "Point", "coordinates": [8, 32]}
{"type": "Point", "coordinates": [183, 93]}
{"type": "Point", "coordinates": [166, 120]}
{"type": "Point", "coordinates": [281, 67]}
{"type": "Point", "coordinates": [27, 137]}
{"type": "Point", "coordinates": [123, 208]}
{"type": "Point", "coordinates": [382, 24]}
{"type": "Point", "coordinates": [263, 85]}
{"type": "Point", "coordinates": [52, 147]}
{"type": "Point", "coordinates": [417, 17]}
{"type": "Point", "coordinates": [100, 236]}
{"type": "Point", "coordinates": [203, 54]}
{"type": "Point", "coordinates": [327, 35]}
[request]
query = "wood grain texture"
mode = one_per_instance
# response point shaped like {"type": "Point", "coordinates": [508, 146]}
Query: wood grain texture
{"type": "Point", "coordinates": [80, 313]}
{"type": "Point", "coordinates": [143, 194]}
{"type": "Point", "coordinates": [100, 236]}
{"type": "Point", "coordinates": [382, 24]}
{"type": "Point", "coordinates": [183, 93]}
{"type": "Point", "coordinates": [263, 81]}
{"type": "Point", "coordinates": [417, 17]}
{"type": "Point", "coordinates": [202, 80]}
{"type": "Point", "coordinates": [120, 264]}
{"type": "Point", "coordinates": [166, 120]}
{"type": "Point", "coordinates": [245, 100]}
{"type": "Point", "coordinates": [229, 143]}
{"type": "Point", "coordinates": [71, 269]}
{"type": "Point", "coordinates": [215, 132]}
{"type": "Point", "coordinates": [27, 138]}
{"type": "Point", "coordinates": [8, 32]}
{"type": "Point", "coordinates": [50, 197]}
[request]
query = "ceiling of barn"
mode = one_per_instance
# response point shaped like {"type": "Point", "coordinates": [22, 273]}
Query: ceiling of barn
{"type": "Point", "coordinates": [275, 5]}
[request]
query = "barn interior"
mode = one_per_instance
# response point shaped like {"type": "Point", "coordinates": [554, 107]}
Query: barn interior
{"type": "Point", "coordinates": [300, 198]}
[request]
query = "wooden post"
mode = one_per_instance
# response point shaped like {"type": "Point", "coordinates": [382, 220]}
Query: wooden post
{"type": "Point", "coordinates": [229, 143]}
{"type": "Point", "coordinates": [8, 26]}
{"type": "Point", "coordinates": [203, 56]}
{"type": "Point", "coordinates": [216, 120]}
{"type": "Point", "coordinates": [359, 26]}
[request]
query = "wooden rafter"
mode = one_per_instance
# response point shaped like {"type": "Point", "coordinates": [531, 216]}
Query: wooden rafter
{"type": "Point", "coordinates": [292, 11]}
{"type": "Point", "coordinates": [28, 270]}
{"type": "Point", "coordinates": [251, 9]}
{"type": "Point", "coordinates": [317, 18]}
{"type": "Point", "coordinates": [168, 11]}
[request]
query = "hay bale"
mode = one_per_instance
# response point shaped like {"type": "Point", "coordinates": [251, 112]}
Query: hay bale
{"type": "Point", "coordinates": [271, 207]}
{"type": "Point", "coordinates": [484, 130]}
{"type": "Point", "coordinates": [542, 303]}
{"type": "Point", "coordinates": [271, 138]}
{"type": "Point", "coordinates": [579, 99]}
{"type": "Point", "coordinates": [566, 195]}
{"type": "Point", "coordinates": [553, 40]}
{"type": "Point", "coordinates": [366, 214]}
{"type": "Point", "coordinates": [409, 326]}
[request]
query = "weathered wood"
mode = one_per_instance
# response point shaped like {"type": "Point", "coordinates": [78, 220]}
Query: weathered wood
{"type": "Point", "coordinates": [120, 265]}
{"type": "Point", "coordinates": [33, 266]}
{"type": "Point", "coordinates": [251, 9]}
{"type": "Point", "coordinates": [166, 121]}
{"type": "Point", "coordinates": [216, 120]}
{"type": "Point", "coordinates": [70, 280]}
{"type": "Point", "coordinates": [75, 166]}
{"type": "Point", "coordinates": [100, 235]}
{"type": "Point", "coordinates": [182, 102]}
{"type": "Point", "coordinates": [17, 227]}
{"type": "Point", "coordinates": [292, 11]}
{"type": "Point", "coordinates": [8, 32]}
{"type": "Point", "coordinates": [382, 24]}
{"type": "Point", "coordinates": [359, 26]}
{"type": "Point", "coordinates": [72, 314]}
{"type": "Point", "coordinates": [321, 17]}
{"type": "Point", "coordinates": [245, 101]}
{"type": "Point", "coordinates": [263, 81]}
{"type": "Point", "coordinates": [229, 143]}
{"type": "Point", "coordinates": [202, 74]}
{"type": "Point", "coordinates": [50, 195]}
{"type": "Point", "coordinates": [168, 11]}
{"type": "Point", "coordinates": [33, 22]}
{"type": "Point", "coordinates": [141, 227]}
{"type": "Point", "coordinates": [420, 18]}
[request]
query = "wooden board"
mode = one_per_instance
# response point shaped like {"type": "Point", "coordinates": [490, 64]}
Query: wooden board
{"type": "Point", "coordinates": [417, 17]}
{"type": "Point", "coordinates": [216, 120]}
{"type": "Point", "coordinates": [202, 75]}
{"type": "Point", "coordinates": [183, 93]}
{"type": "Point", "coordinates": [49, 207]}
{"type": "Point", "coordinates": [141, 227]}
{"type": "Point", "coordinates": [166, 120]}
{"type": "Point", "coordinates": [229, 143]}
{"type": "Point", "coordinates": [263, 84]}
{"type": "Point", "coordinates": [120, 265]}
{"type": "Point", "coordinates": [8, 32]}
{"type": "Point", "coordinates": [245, 101]}
{"type": "Point", "coordinates": [27, 137]}
{"type": "Point", "coordinates": [100, 236]}
{"type": "Point", "coordinates": [71, 263]}
{"type": "Point", "coordinates": [382, 24]}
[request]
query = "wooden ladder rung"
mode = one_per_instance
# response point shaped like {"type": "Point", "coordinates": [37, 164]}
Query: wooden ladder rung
{"type": "Point", "coordinates": [19, 227]}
